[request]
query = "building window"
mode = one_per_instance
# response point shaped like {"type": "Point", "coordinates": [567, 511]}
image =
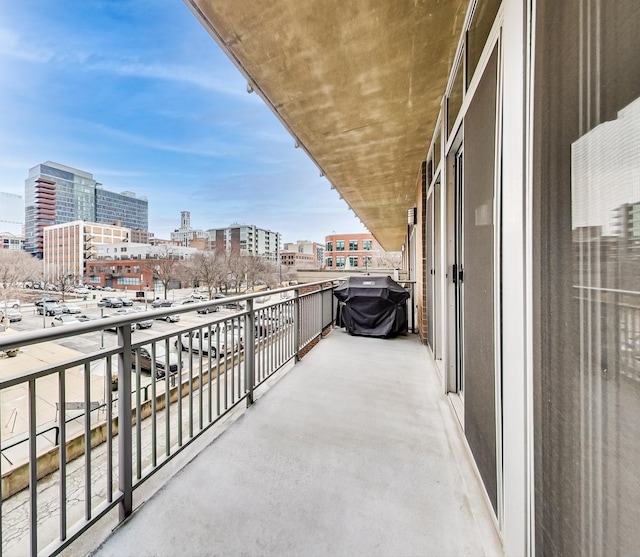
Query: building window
{"type": "Point", "coordinates": [353, 261]}
{"type": "Point", "coordinates": [329, 261]}
{"type": "Point", "coordinates": [340, 262]}
{"type": "Point", "coordinates": [353, 245]}
{"type": "Point", "coordinates": [329, 246]}
{"type": "Point", "coordinates": [340, 245]}
{"type": "Point", "coordinates": [367, 261]}
{"type": "Point", "coordinates": [126, 281]}
{"type": "Point", "coordinates": [366, 244]}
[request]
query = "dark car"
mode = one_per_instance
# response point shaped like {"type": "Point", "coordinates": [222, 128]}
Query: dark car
{"type": "Point", "coordinates": [158, 303]}
{"type": "Point", "coordinates": [47, 300]}
{"type": "Point", "coordinates": [125, 301]}
{"type": "Point", "coordinates": [49, 308]}
{"type": "Point", "coordinates": [110, 303]}
{"type": "Point", "coordinates": [208, 309]}
{"type": "Point", "coordinates": [160, 360]}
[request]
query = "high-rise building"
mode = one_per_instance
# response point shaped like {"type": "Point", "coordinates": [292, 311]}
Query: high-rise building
{"type": "Point", "coordinates": [246, 239]}
{"type": "Point", "coordinates": [57, 194]}
{"type": "Point", "coordinates": [11, 213]}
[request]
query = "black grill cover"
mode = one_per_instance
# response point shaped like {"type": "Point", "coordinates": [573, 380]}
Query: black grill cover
{"type": "Point", "coordinates": [372, 306]}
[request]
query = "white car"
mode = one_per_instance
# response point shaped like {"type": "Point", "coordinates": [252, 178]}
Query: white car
{"type": "Point", "coordinates": [70, 308]}
{"type": "Point", "coordinates": [231, 339]}
{"type": "Point", "coordinates": [11, 314]}
{"type": "Point", "coordinates": [64, 319]}
{"type": "Point", "coordinates": [169, 318]}
{"type": "Point", "coordinates": [14, 304]}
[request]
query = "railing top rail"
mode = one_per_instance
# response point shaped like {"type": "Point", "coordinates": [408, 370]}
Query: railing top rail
{"type": "Point", "coordinates": [49, 369]}
{"type": "Point", "coordinates": [26, 338]}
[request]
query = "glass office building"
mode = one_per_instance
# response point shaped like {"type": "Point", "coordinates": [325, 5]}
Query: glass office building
{"type": "Point", "coordinates": [56, 194]}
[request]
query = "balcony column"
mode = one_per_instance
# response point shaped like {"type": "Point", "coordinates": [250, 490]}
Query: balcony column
{"type": "Point", "coordinates": [296, 322]}
{"type": "Point", "coordinates": [249, 351]}
{"type": "Point", "coordinates": [125, 419]}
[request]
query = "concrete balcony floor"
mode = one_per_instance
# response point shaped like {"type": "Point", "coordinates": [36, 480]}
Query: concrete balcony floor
{"type": "Point", "coordinates": [355, 451]}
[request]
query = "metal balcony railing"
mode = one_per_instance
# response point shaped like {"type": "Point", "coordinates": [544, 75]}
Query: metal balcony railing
{"type": "Point", "coordinates": [141, 402]}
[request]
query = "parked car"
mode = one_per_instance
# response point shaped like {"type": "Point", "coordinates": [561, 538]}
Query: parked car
{"type": "Point", "coordinates": [64, 319]}
{"type": "Point", "coordinates": [109, 289]}
{"type": "Point", "coordinates": [110, 302]}
{"type": "Point", "coordinates": [231, 339]}
{"type": "Point", "coordinates": [198, 296]}
{"type": "Point", "coordinates": [169, 318]}
{"type": "Point", "coordinates": [47, 300]}
{"type": "Point", "coordinates": [125, 301]}
{"type": "Point", "coordinates": [70, 308]}
{"type": "Point", "coordinates": [146, 361]}
{"type": "Point", "coordinates": [114, 329]}
{"type": "Point", "coordinates": [234, 305]}
{"type": "Point", "coordinates": [12, 315]}
{"type": "Point", "coordinates": [50, 308]}
{"type": "Point", "coordinates": [87, 317]}
{"type": "Point", "coordinates": [208, 309]}
{"type": "Point", "coordinates": [159, 303]}
{"type": "Point", "coordinates": [14, 304]}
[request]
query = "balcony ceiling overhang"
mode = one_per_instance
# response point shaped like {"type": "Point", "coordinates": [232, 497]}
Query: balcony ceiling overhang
{"type": "Point", "coordinates": [358, 85]}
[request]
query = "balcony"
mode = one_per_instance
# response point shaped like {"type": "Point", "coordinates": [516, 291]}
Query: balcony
{"type": "Point", "coordinates": [347, 445]}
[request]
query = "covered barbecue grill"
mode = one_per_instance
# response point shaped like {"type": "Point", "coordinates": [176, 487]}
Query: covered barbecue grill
{"type": "Point", "coordinates": [372, 306]}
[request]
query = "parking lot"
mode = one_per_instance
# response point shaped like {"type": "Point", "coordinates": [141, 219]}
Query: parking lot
{"type": "Point", "coordinates": [14, 411]}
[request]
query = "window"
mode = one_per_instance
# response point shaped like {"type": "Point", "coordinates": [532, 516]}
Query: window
{"type": "Point", "coordinates": [367, 261]}
{"type": "Point", "coordinates": [340, 245]}
{"type": "Point", "coordinates": [353, 245]}
{"type": "Point", "coordinates": [329, 261]}
{"type": "Point", "coordinates": [129, 281]}
{"type": "Point", "coordinates": [366, 244]}
{"type": "Point", "coordinates": [339, 262]}
{"type": "Point", "coordinates": [329, 246]}
{"type": "Point", "coordinates": [353, 261]}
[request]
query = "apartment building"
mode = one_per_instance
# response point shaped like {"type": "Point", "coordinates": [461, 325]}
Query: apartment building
{"type": "Point", "coordinates": [246, 239]}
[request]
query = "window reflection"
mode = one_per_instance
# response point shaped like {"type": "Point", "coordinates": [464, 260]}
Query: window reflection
{"type": "Point", "coordinates": [605, 212]}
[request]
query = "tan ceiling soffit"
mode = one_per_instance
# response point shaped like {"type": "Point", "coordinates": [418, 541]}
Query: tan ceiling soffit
{"type": "Point", "coordinates": [358, 84]}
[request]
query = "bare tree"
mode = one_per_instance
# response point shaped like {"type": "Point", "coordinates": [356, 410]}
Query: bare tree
{"type": "Point", "coordinates": [17, 267]}
{"type": "Point", "coordinates": [387, 259]}
{"type": "Point", "coordinates": [64, 280]}
{"type": "Point", "coordinates": [257, 269]}
{"type": "Point", "coordinates": [163, 265]}
{"type": "Point", "coordinates": [210, 269]}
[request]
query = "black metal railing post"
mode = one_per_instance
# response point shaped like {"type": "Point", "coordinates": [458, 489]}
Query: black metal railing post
{"type": "Point", "coordinates": [125, 420]}
{"type": "Point", "coordinates": [249, 351]}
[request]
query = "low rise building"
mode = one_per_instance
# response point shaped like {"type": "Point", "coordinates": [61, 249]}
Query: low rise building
{"type": "Point", "coordinates": [351, 251]}
{"type": "Point", "coordinates": [68, 247]}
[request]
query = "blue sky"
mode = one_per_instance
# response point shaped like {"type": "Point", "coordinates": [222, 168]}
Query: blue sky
{"type": "Point", "coordinates": [138, 94]}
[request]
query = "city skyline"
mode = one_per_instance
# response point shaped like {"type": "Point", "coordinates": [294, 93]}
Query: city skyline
{"type": "Point", "coordinates": [96, 90]}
